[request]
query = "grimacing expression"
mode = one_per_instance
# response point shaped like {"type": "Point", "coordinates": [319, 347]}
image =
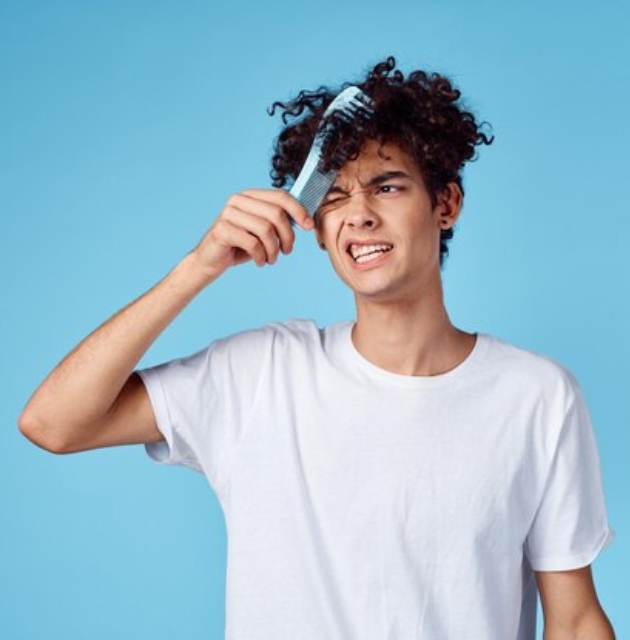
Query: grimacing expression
{"type": "Point", "coordinates": [379, 227]}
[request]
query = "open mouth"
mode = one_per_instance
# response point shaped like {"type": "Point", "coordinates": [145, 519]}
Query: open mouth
{"type": "Point", "coordinates": [362, 253]}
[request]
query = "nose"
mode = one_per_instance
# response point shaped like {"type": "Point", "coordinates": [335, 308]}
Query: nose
{"type": "Point", "coordinates": [360, 214]}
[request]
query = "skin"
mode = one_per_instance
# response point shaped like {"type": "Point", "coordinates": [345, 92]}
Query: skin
{"type": "Point", "coordinates": [93, 398]}
{"type": "Point", "coordinates": [402, 324]}
{"type": "Point", "coordinates": [571, 608]}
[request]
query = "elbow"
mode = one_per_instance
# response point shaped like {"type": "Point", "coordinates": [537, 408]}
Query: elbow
{"type": "Point", "coordinates": [33, 428]}
{"type": "Point", "coordinates": [596, 626]}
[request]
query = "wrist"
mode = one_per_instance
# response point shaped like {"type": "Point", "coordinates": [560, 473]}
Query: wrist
{"type": "Point", "coordinates": [196, 273]}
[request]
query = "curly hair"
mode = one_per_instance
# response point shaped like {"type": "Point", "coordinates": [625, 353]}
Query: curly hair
{"type": "Point", "coordinates": [421, 113]}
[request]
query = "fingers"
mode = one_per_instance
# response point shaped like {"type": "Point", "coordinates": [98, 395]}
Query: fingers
{"type": "Point", "coordinates": [254, 225]}
{"type": "Point", "coordinates": [265, 220]}
{"type": "Point", "coordinates": [257, 235]}
{"type": "Point", "coordinates": [265, 215]}
{"type": "Point", "coordinates": [243, 245]}
{"type": "Point", "coordinates": [286, 202]}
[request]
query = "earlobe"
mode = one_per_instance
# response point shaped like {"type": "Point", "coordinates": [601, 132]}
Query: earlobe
{"type": "Point", "coordinates": [450, 205]}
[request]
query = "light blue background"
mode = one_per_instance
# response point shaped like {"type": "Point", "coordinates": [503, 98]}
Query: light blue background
{"type": "Point", "coordinates": [124, 126]}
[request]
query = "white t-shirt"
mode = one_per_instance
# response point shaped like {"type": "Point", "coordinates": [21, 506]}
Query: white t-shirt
{"type": "Point", "coordinates": [362, 504]}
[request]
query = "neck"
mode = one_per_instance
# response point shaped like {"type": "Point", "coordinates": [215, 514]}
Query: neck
{"type": "Point", "coordinates": [413, 338]}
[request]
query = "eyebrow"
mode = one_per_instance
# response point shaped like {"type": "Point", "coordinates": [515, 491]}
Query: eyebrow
{"type": "Point", "coordinates": [375, 181]}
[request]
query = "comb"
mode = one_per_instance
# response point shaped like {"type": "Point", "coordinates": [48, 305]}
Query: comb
{"type": "Point", "coordinates": [312, 184]}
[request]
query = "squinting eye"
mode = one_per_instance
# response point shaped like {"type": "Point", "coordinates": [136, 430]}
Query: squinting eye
{"type": "Point", "coordinates": [330, 204]}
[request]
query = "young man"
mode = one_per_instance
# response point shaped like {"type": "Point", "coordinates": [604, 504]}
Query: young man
{"type": "Point", "coordinates": [393, 477]}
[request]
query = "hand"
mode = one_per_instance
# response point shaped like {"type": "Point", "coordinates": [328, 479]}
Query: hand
{"type": "Point", "coordinates": [253, 225]}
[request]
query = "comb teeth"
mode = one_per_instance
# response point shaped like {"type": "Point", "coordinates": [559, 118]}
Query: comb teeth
{"type": "Point", "coordinates": [312, 184]}
{"type": "Point", "coordinates": [316, 187]}
{"type": "Point", "coordinates": [349, 97]}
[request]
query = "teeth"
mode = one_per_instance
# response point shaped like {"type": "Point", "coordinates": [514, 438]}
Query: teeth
{"type": "Point", "coordinates": [368, 258]}
{"type": "Point", "coordinates": [358, 250]}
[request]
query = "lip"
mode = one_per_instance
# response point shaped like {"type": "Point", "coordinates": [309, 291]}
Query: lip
{"type": "Point", "coordinates": [364, 242]}
{"type": "Point", "coordinates": [371, 264]}
{"type": "Point", "coordinates": [364, 266]}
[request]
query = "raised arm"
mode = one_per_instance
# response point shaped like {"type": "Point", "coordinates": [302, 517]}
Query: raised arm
{"type": "Point", "coordinates": [92, 398]}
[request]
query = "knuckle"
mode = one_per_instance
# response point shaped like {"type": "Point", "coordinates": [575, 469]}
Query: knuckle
{"type": "Point", "coordinates": [268, 231]}
{"type": "Point", "coordinates": [252, 244]}
{"type": "Point", "coordinates": [219, 230]}
{"type": "Point", "coordinates": [228, 211]}
{"type": "Point", "coordinates": [278, 213]}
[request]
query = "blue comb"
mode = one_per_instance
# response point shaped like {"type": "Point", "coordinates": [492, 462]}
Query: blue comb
{"type": "Point", "coordinates": [312, 184]}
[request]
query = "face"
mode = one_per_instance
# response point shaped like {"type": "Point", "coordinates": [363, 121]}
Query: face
{"type": "Point", "coordinates": [380, 230]}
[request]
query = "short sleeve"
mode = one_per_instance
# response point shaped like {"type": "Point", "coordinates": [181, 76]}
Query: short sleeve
{"type": "Point", "coordinates": [571, 524]}
{"type": "Point", "coordinates": [202, 403]}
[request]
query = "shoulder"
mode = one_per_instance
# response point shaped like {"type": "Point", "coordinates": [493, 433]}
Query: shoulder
{"type": "Point", "coordinates": [246, 344]}
{"type": "Point", "coordinates": [271, 336]}
{"type": "Point", "coordinates": [294, 347]}
{"type": "Point", "coordinates": [530, 370]}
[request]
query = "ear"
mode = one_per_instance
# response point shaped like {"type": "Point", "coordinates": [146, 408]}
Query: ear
{"type": "Point", "coordinates": [449, 206]}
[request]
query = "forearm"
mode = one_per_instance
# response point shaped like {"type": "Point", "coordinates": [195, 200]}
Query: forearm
{"type": "Point", "coordinates": [90, 400]}
{"type": "Point", "coordinates": [84, 386]}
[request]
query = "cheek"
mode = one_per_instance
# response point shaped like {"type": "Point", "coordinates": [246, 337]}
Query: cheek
{"type": "Point", "coordinates": [326, 230]}
{"type": "Point", "coordinates": [426, 245]}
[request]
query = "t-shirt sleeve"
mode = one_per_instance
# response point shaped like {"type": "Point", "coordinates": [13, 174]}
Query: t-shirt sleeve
{"type": "Point", "coordinates": [203, 403]}
{"type": "Point", "coordinates": [571, 524]}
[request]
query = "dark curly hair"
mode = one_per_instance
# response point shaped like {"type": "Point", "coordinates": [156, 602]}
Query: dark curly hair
{"type": "Point", "coordinates": [421, 113]}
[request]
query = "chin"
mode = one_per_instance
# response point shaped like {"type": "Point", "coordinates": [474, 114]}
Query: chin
{"type": "Point", "coordinates": [377, 294]}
